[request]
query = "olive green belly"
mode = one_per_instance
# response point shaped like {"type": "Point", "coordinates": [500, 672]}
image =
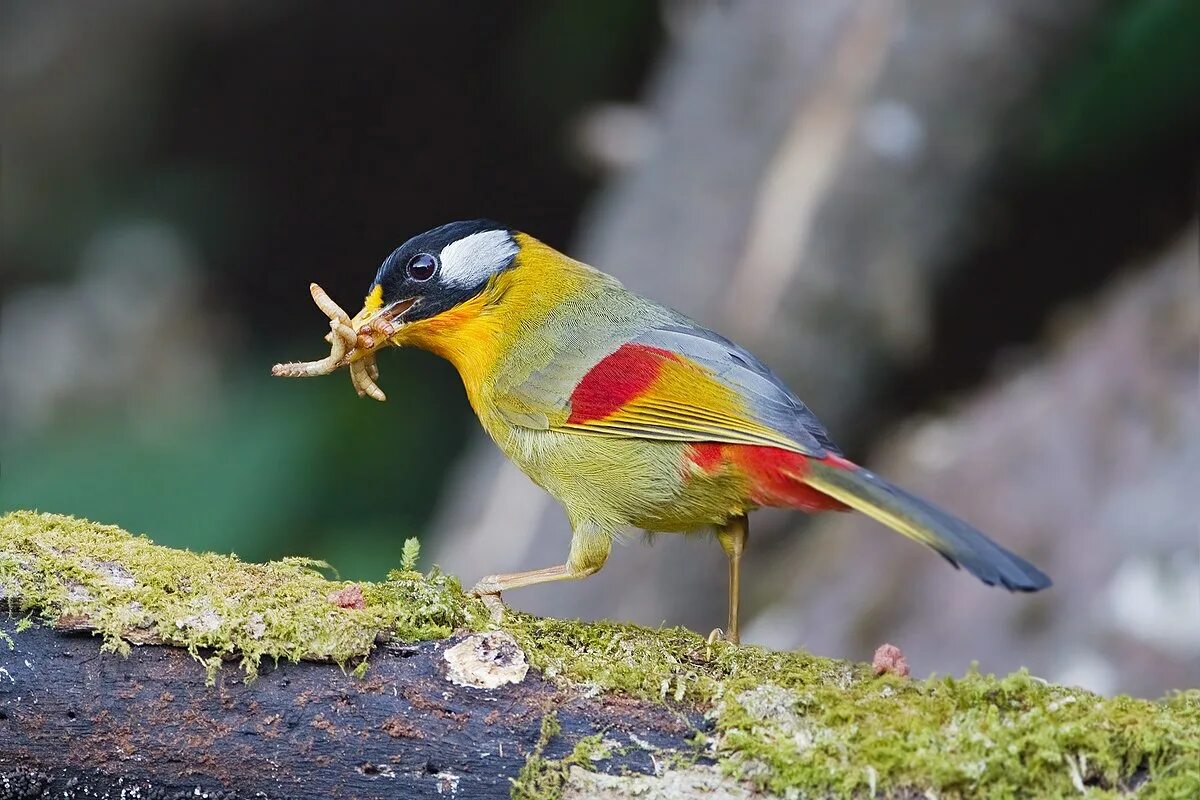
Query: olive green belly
{"type": "Point", "coordinates": [618, 482]}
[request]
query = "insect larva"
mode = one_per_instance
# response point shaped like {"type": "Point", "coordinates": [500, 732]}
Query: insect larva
{"type": "Point", "coordinates": [343, 340]}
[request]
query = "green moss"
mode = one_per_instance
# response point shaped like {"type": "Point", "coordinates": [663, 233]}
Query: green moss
{"type": "Point", "coordinates": [793, 721]}
{"type": "Point", "coordinates": [216, 606]}
{"type": "Point", "coordinates": [544, 779]}
{"type": "Point", "coordinates": [672, 664]}
{"type": "Point", "coordinates": [786, 722]}
{"type": "Point", "coordinates": [410, 554]}
{"type": "Point", "coordinates": [975, 737]}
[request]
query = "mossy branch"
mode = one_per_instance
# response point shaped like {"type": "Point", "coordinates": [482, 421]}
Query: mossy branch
{"type": "Point", "coordinates": [745, 718]}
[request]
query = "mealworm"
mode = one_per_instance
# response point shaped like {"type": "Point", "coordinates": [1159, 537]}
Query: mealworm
{"type": "Point", "coordinates": [363, 383]}
{"type": "Point", "coordinates": [326, 304]}
{"type": "Point", "coordinates": [339, 324]}
{"type": "Point", "coordinates": [308, 369]}
{"type": "Point", "coordinates": [343, 340]}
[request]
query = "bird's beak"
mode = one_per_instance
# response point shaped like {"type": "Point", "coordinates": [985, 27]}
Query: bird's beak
{"type": "Point", "coordinates": [376, 326]}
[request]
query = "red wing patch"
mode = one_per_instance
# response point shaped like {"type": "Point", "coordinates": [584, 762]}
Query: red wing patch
{"type": "Point", "coordinates": [775, 477]}
{"type": "Point", "coordinates": [618, 378]}
{"type": "Point", "coordinates": [708, 457]}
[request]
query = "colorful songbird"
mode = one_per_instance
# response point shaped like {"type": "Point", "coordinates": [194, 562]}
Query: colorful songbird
{"type": "Point", "coordinates": [629, 413]}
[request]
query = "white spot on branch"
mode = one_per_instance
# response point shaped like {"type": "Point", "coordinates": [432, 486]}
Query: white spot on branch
{"type": "Point", "coordinates": [486, 661]}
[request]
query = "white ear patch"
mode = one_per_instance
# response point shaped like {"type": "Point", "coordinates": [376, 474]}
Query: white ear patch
{"type": "Point", "coordinates": [473, 259]}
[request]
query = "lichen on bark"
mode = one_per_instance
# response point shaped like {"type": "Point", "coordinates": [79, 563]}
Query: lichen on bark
{"type": "Point", "coordinates": [788, 723]}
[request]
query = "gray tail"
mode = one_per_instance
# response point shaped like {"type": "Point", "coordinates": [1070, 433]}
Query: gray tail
{"type": "Point", "coordinates": [955, 540]}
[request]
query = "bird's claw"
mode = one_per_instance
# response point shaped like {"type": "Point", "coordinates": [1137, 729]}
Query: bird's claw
{"type": "Point", "coordinates": [493, 603]}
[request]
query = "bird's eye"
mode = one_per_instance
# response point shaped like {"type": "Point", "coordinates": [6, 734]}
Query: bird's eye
{"type": "Point", "coordinates": [421, 267]}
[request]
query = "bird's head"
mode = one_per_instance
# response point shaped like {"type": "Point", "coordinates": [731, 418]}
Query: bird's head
{"type": "Point", "coordinates": [432, 276]}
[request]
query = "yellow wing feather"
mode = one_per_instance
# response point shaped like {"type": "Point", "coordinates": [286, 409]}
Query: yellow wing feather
{"type": "Point", "coordinates": [684, 402]}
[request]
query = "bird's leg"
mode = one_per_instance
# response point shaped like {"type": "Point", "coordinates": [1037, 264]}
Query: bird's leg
{"type": "Point", "coordinates": [732, 536]}
{"type": "Point", "coordinates": [590, 546]}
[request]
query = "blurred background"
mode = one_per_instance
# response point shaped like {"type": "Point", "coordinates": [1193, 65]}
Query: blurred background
{"type": "Point", "coordinates": [964, 231]}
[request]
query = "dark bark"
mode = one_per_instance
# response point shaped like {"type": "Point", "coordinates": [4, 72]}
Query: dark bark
{"type": "Point", "coordinates": [78, 723]}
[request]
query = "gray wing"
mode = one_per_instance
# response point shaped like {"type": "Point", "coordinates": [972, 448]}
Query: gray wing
{"type": "Point", "coordinates": [586, 329]}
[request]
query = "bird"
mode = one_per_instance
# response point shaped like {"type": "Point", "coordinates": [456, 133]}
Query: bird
{"type": "Point", "coordinates": [628, 413]}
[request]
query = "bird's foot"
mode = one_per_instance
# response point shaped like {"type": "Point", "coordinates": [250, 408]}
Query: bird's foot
{"type": "Point", "coordinates": [491, 601]}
